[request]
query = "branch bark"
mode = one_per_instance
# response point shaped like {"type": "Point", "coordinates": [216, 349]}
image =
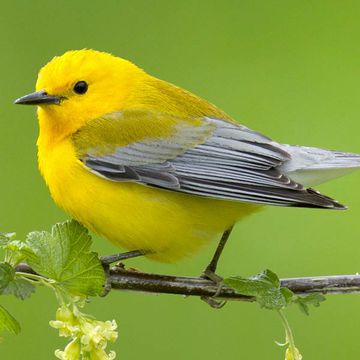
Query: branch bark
{"type": "Point", "coordinates": [121, 279]}
{"type": "Point", "coordinates": [129, 280]}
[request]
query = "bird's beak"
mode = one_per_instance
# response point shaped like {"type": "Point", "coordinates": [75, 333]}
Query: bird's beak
{"type": "Point", "coordinates": [38, 98]}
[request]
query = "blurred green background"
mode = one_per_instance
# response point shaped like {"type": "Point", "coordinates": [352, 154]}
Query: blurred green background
{"type": "Point", "coordinates": [290, 69]}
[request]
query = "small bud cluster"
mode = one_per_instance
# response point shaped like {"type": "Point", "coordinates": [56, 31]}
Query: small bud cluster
{"type": "Point", "coordinates": [89, 336]}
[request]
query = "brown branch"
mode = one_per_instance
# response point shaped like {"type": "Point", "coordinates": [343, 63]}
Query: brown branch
{"type": "Point", "coordinates": [121, 279]}
{"type": "Point", "coordinates": [128, 280]}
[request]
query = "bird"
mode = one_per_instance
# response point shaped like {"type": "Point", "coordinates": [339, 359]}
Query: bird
{"type": "Point", "coordinates": [157, 170]}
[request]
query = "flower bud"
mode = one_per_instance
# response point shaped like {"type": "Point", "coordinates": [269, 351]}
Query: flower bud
{"type": "Point", "coordinates": [64, 314]}
{"type": "Point", "coordinates": [71, 352]}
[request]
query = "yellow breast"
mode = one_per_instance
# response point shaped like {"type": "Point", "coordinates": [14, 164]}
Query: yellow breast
{"type": "Point", "coordinates": [170, 225]}
{"type": "Point", "coordinates": [137, 217]}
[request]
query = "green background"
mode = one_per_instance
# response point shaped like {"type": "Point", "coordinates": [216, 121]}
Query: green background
{"type": "Point", "coordinates": [290, 69]}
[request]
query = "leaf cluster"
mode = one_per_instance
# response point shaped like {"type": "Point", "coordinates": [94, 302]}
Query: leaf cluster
{"type": "Point", "coordinates": [269, 294]}
{"type": "Point", "coordinates": [61, 259]}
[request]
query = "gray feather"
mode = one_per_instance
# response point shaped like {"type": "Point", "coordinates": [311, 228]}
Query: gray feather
{"type": "Point", "coordinates": [235, 163]}
{"type": "Point", "coordinates": [312, 166]}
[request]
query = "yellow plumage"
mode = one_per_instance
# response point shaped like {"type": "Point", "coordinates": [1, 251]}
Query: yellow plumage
{"type": "Point", "coordinates": [133, 216]}
{"type": "Point", "coordinates": [153, 167]}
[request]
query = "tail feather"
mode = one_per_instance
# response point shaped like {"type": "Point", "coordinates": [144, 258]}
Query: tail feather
{"type": "Point", "coordinates": [311, 166]}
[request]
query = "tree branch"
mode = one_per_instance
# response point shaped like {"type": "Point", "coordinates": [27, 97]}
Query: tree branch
{"type": "Point", "coordinates": [129, 280]}
{"type": "Point", "coordinates": [121, 279]}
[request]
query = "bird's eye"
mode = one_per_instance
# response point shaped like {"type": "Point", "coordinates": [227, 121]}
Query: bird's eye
{"type": "Point", "coordinates": [81, 87]}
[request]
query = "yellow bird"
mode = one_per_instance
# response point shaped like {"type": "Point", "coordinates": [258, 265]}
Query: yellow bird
{"type": "Point", "coordinates": [156, 169]}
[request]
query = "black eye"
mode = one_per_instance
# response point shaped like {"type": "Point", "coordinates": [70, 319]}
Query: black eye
{"type": "Point", "coordinates": [81, 87]}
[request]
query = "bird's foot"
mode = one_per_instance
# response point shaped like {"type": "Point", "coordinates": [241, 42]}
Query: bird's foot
{"type": "Point", "coordinates": [219, 282]}
{"type": "Point", "coordinates": [106, 261]}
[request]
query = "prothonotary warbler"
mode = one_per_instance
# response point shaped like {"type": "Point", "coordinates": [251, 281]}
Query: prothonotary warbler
{"type": "Point", "coordinates": [153, 167]}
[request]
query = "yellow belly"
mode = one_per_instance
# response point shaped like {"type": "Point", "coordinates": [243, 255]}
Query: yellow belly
{"type": "Point", "coordinates": [170, 225]}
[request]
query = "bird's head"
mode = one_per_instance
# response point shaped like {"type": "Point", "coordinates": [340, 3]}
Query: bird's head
{"type": "Point", "coordinates": [79, 86]}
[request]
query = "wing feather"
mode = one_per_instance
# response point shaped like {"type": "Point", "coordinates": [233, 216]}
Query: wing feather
{"type": "Point", "coordinates": [216, 159]}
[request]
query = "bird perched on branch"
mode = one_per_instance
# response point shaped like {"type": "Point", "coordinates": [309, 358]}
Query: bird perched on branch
{"type": "Point", "coordinates": [157, 169]}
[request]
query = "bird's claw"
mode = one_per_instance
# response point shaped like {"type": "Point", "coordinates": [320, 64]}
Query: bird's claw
{"type": "Point", "coordinates": [219, 282]}
{"type": "Point", "coordinates": [215, 304]}
{"type": "Point", "coordinates": [107, 285]}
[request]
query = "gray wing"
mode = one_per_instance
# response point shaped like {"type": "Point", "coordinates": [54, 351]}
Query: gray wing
{"type": "Point", "coordinates": [234, 163]}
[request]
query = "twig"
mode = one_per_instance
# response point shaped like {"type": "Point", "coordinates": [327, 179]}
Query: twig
{"type": "Point", "coordinates": [129, 280]}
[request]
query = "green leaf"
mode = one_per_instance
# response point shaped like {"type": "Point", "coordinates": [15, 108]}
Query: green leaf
{"type": "Point", "coordinates": [13, 252]}
{"type": "Point", "coordinates": [12, 284]}
{"type": "Point", "coordinates": [8, 322]}
{"type": "Point", "coordinates": [20, 288]}
{"type": "Point", "coordinates": [64, 255]}
{"type": "Point", "coordinates": [311, 299]}
{"type": "Point", "coordinates": [265, 287]}
{"type": "Point", "coordinates": [12, 247]}
{"type": "Point", "coordinates": [7, 275]}
{"type": "Point", "coordinates": [6, 237]}
{"type": "Point", "coordinates": [288, 295]}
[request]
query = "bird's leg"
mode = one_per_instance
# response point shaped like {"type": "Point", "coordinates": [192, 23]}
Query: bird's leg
{"type": "Point", "coordinates": [106, 261]}
{"type": "Point", "coordinates": [210, 274]}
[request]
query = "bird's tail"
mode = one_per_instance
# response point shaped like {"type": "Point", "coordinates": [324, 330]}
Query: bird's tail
{"type": "Point", "coordinates": [311, 166]}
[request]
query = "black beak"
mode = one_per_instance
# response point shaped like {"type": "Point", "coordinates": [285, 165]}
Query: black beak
{"type": "Point", "coordinates": [38, 98]}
